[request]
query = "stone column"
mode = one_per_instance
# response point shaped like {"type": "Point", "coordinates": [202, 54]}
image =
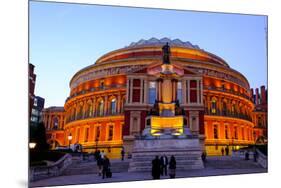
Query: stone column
{"type": "Point", "coordinates": [131, 91]}
{"type": "Point", "coordinates": [201, 91]}
{"type": "Point", "coordinates": [127, 91]}
{"type": "Point", "coordinates": [183, 91]}
{"type": "Point", "coordinates": [145, 91]}
{"type": "Point", "coordinates": [197, 91]}
{"type": "Point", "coordinates": [105, 105]}
{"type": "Point", "coordinates": [141, 90]}
{"type": "Point", "coordinates": [188, 91]}
{"type": "Point", "coordinates": [119, 103]}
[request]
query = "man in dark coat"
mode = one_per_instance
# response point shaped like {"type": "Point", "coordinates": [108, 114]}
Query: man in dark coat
{"type": "Point", "coordinates": [105, 166]}
{"type": "Point", "coordinates": [156, 168]}
{"type": "Point", "coordinates": [172, 167]}
{"type": "Point", "coordinates": [164, 164]}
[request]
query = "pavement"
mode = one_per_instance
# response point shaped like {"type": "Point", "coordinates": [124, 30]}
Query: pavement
{"type": "Point", "coordinates": [214, 166]}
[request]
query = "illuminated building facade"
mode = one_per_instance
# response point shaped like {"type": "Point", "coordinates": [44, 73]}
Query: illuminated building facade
{"type": "Point", "coordinates": [111, 100]}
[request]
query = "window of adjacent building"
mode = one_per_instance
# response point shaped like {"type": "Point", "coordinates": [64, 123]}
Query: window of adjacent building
{"type": "Point", "coordinates": [179, 92]}
{"type": "Point", "coordinates": [110, 132]}
{"type": "Point", "coordinates": [242, 133]}
{"type": "Point", "coordinates": [34, 119]}
{"type": "Point", "coordinates": [214, 106]}
{"type": "Point", "coordinates": [215, 132]}
{"type": "Point", "coordinates": [193, 91]}
{"type": "Point", "coordinates": [100, 108]}
{"type": "Point", "coordinates": [113, 106]}
{"type": "Point", "coordinates": [152, 92]}
{"type": "Point", "coordinates": [35, 102]}
{"type": "Point", "coordinates": [86, 134]}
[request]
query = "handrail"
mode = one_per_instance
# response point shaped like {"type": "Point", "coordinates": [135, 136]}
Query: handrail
{"type": "Point", "coordinates": [55, 169]}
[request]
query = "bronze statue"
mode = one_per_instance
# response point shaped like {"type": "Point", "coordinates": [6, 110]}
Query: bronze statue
{"type": "Point", "coordinates": [166, 53]}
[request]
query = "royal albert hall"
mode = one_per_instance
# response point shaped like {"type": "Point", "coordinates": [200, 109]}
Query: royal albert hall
{"type": "Point", "coordinates": [110, 102]}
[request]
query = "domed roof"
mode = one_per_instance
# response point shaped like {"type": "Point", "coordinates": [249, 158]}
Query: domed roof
{"type": "Point", "coordinates": [156, 42]}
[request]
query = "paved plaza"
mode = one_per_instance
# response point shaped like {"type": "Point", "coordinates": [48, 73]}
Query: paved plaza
{"type": "Point", "coordinates": [225, 165]}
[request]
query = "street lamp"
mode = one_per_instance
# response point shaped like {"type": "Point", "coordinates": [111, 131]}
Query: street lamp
{"type": "Point", "coordinates": [69, 139]}
{"type": "Point", "coordinates": [32, 145]}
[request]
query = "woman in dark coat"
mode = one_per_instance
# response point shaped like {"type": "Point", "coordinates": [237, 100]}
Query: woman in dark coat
{"type": "Point", "coordinates": [172, 167]}
{"type": "Point", "coordinates": [156, 168]}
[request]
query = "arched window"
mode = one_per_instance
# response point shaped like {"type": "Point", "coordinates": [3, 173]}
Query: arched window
{"type": "Point", "coordinates": [232, 109]}
{"type": "Point", "coordinates": [100, 108]}
{"type": "Point", "coordinates": [90, 110]}
{"type": "Point", "coordinates": [215, 132]}
{"type": "Point", "coordinates": [55, 123]}
{"type": "Point", "coordinates": [214, 106]}
{"type": "Point", "coordinates": [113, 106]}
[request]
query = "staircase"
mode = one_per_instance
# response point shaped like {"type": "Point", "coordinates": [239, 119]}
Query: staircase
{"type": "Point", "coordinates": [86, 167]}
{"type": "Point", "coordinates": [186, 151]}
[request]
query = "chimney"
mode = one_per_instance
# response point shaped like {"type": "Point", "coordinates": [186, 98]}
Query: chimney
{"type": "Point", "coordinates": [252, 94]}
{"type": "Point", "coordinates": [257, 96]}
{"type": "Point", "coordinates": [263, 97]}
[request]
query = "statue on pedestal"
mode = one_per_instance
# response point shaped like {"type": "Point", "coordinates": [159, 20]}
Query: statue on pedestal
{"type": "Point", "coordinates": [166, 53]}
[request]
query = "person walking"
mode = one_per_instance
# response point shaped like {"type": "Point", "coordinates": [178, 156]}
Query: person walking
{"type": "Point", "coordinates": [102, 154]}
{"type": "Point", "coordinates": [105, 167]}
{"type": "Point", "coordinates": [99, 164]}
{"type": "Point", "coordinates": [222, 151]}
{"type": "Point", "coordinates": [203, 156]}
{"type": "Point", "coordinates": [172, 167]}
{"type": "Point", "coordinates": [156, 168]}
{"type": "Point", "coordinates": [164, 164]}
{"type": "Point", "coordinates": [122, 154]}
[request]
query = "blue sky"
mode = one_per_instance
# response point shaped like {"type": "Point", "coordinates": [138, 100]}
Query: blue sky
{"type": "Point", "coordinates": [64, 38]}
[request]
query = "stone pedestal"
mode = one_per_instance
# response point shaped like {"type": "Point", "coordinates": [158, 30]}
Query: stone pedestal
{"type": "Point", "coordinates": [186, 151]}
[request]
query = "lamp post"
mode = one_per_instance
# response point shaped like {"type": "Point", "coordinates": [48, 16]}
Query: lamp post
{"type": "Point", "coordinates": [69, 139]}
{"type": "Point", "coordinates": [32, 145]}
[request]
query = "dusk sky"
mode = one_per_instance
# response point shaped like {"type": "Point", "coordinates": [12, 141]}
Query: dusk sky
{"type": "Point", "coordinates": [65, 38]}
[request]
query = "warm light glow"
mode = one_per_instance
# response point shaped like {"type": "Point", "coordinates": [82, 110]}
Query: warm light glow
{"type": "Point", "coordinates": [69, 137]}
{"type": "Point", "coordinates": [32, 145]}
{"type": "Point", "coordinates": [167, 122]}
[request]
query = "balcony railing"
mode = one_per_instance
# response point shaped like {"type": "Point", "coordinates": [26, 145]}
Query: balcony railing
{"type": "Point", "coordinates": [93, 116]}
{"type": "Point", "coordinates": [228, 114]}
{"type": "Point", "coordinates": [104, 88]}
{"type": "Point", "coordinates": [227, 91]}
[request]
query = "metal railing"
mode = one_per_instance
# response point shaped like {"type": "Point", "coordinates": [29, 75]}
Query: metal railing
{"type": "Point", "coordinates": [104, 88]}
{"type": "Point", "coordinates": [228, 114]}
{"type": "Point", "coordinates": [227, 91]}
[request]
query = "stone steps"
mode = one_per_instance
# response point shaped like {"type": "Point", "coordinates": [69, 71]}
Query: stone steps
{"type": "Point", "coordinates": [91, 168]}
{"type": "Point", "coordinates": [186, 151]}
